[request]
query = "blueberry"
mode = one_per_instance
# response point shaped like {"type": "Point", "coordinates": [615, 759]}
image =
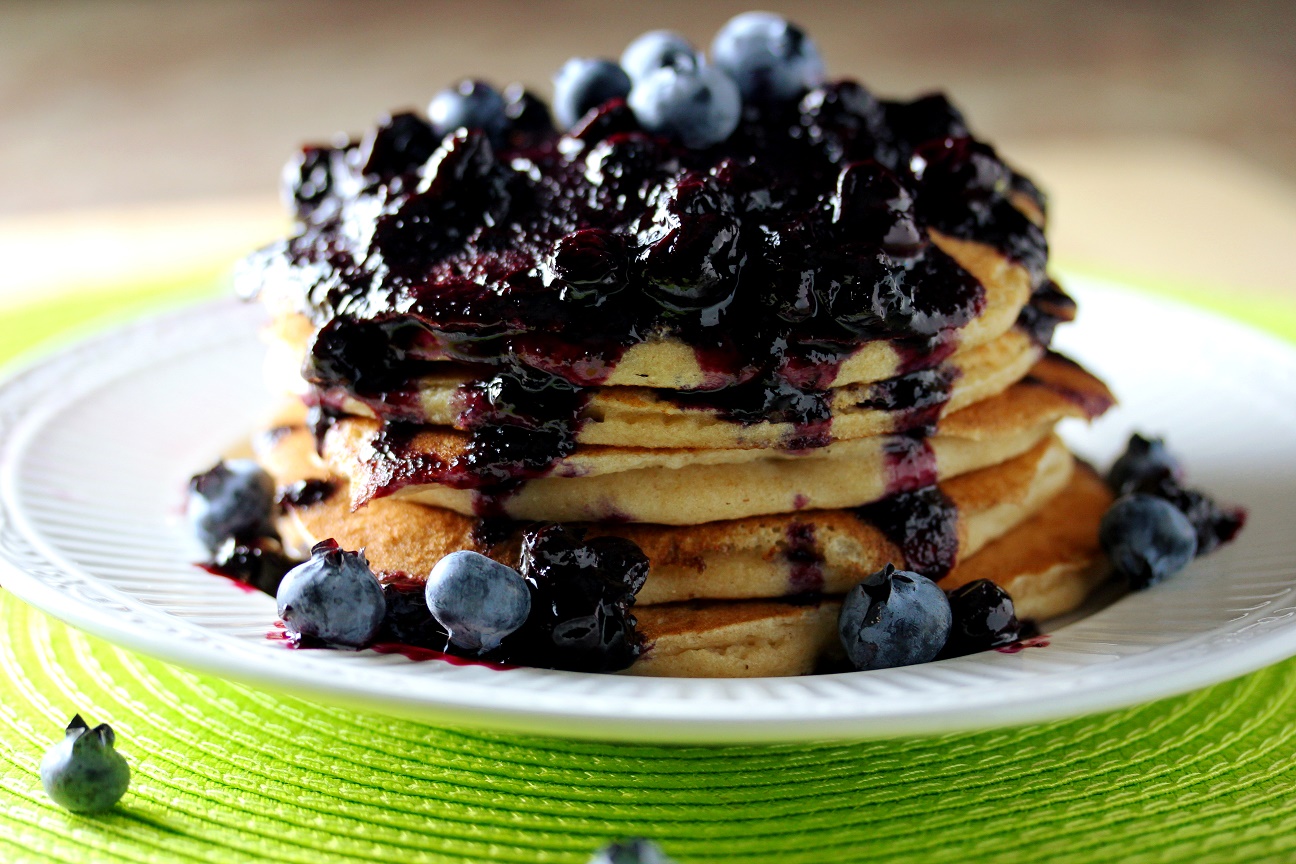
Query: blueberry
{"type": "Point", "coordinates": [584, 83]}
{"type": "Point", "coordinates": [477, 600]}
{"type": "Point", "coordinates": [334, 598]}
{"type": "Point", "coordinates": [1147, 539]}
{"type": "Point", "coordinates": [1143, 458]}
{"type": "Point", "coordinates": [588, 265]}
{"type": "Point", "coordinates": [83, 773]}
{"type": "Point", "coordinates": [582, 592]}
{"type": "Point", "coordinates": [526, 112]}
{"type": "Point", "coordinates": [771, 59]}
{"type": "Point", "coordinates": [697, 108]}
{"type": "Point", "coordinates": [894, 618]}
{"type": "Point", "coordinates": [468, 105]}
{"type": "Point", "coordinates": [984, 618]}
{"type": "Point", "coordinates": [233, 499]}
{"type": "Point", "coordinates": [631, 852]}
{"type": "Point", "coordinates": [1214, 524]}
{"type": "Point", "coordinates": [659, 49]}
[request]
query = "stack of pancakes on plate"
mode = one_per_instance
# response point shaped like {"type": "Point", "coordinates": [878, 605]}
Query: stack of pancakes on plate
{"type": "Point", "coordinates": [765, 460]}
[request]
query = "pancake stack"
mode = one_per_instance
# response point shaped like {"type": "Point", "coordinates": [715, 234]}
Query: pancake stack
{"type": "Point", "coordinates": [775, 365]}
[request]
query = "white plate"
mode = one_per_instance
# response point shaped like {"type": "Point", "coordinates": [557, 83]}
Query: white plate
{"type": "Point", "coordinates": [96, 445]}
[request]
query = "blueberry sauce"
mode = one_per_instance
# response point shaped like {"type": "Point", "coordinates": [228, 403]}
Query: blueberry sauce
{"type": "Point", "coordinates": [305, 493]}
{"type": "Point", "coordinates": [1049, 306]}
{"type": "Point", "coordinates": [924, 523]}
{"type": "Point", "coordinates": [257, 564]}
{"type": "Point", "coordinates": [804, 558]}
{"type": "Point", "coordinates": [537, 259]}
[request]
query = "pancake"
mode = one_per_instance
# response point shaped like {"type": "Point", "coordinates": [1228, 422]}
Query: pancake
{"type": "Point", "coordinates": [644, 417]}
{"type": "Point", "coordinates": [662, 362]}
{"type": "Point", "coordinates": [768, 556]}
{"type": "Point", "coordinates": [1049, 564]}
{"type": "Point", "coordinates": [690, 486]}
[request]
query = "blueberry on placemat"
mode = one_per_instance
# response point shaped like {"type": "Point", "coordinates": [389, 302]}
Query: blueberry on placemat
{"type": "Point", "coordinates": [334, 598]}
{"type": "Point", "coordinates": [631, 852]}
{"type": "Point", "coordinates": [1147, 539]}
{"type": "Point", "coordinates": [477, 600]}
{"type": "Point", "coordinates": [894, 618]}
{"type": "Point", "coordinates": [84, 772]}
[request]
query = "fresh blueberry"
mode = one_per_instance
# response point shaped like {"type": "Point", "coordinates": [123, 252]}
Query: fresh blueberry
{"type": "Point", "coordinates": [771, 59]}
{"type": "Point", "coordinates": [584, 83]}
{"type": "Point", "coordinates": [83, 773]}
{"type": "Point", "coordinates": [468, 105]}
{"type": "Point", "coordinates": [334, 598]}
{"type": "Point", "coordinates": [894, 618]}
{"type": "Point", "coordinates": [1143, 458]}
{"type": "Point", "coordinates": [631, 852]}
{"type": "Point", "coordinates": [659, 49]}
{"type": "Point", "coordinates": [477, 600]}
{"type": "Point", "coordinates": [983, 618]}
{"type": "Point", "coordinates": [1147, 539]}
{"type": "Point", "coordinates": [233, 499]}
{"type": "Point", "coordinates": [697, 108]}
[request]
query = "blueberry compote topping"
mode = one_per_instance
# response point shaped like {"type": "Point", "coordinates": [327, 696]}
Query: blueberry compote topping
{"type": "Point", "coordinates": [538, 258]}
{"type": "Point", "coordinates": [923, 523]}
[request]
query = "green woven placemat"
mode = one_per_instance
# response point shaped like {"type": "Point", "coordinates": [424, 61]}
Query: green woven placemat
{"type": "Point", "coordinates": [227, 773]}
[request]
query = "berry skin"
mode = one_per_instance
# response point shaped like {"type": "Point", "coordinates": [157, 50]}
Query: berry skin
{"type": "Point", "coordinates": [233, 499]}
{"type": "Point", "coordinates": [83, 772]}
{"type": "Point", "coordinates": [697, 108]}
{"type": "Point", "coordinates": [659, 49]}
{"type": "Point", "coordinates": [984, 618]}
{"type": "Point", "coordinates": [1143, 458]}
{"type": "Point", "coordinates": [1147, 539]}
{"type": "Point", "coordinates": [631, 852]}
{"type": "Point", "coordinates": [468, 105]}
{"type": "Point", "coordinates": [334, 597]}
{"type": "Point", "coordinates": [771, 59]}
{"type": "Point", "coordinates": [894, 618]}
{"type": "Point", "coordinates": [585, 83]}
{"type": "Point", "coordinates": [477, 600]}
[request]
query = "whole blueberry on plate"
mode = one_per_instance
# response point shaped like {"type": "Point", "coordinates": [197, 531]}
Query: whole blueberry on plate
{"type": "Point", "coordinates": [636, 851]}
{"type": "Point", "coordinates": [584, 83]}
{"type": "Point", "coordinates": [233, 499]}
{"type": "Point", "coordinates": [894, 618]}
{"type": "Point", "coordinates": [984, 618]}
{"type": "Point", "coordinates": [659, 49]}
{"type": "Point", "coordinates": [698, 108]}
{"type": "Point", "coordinates": [770, 58]}
{"type": "Point", "coordinates": [84, 772]}
{"type": "Point", "coordinates": [1147, 539]}
{"type": "Point", "coordinates": [1143, 458]}
{"type": "Point", "coordinates": [477, 600]}
{"type": "Point", "coordinates": [468, 105]}
{"type": "Point", "coordinates": [334, 598]}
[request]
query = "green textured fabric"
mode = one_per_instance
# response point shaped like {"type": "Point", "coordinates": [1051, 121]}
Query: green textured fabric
{"type": "Point", "coordinates": [228, 773]}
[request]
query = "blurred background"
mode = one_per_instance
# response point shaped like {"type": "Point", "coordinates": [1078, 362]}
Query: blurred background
{"type": "Point", "coordinates": [148, 136]}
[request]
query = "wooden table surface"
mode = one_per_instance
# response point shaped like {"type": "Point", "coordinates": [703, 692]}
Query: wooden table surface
{"type": "Point", "coordinates": [143, 140]}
